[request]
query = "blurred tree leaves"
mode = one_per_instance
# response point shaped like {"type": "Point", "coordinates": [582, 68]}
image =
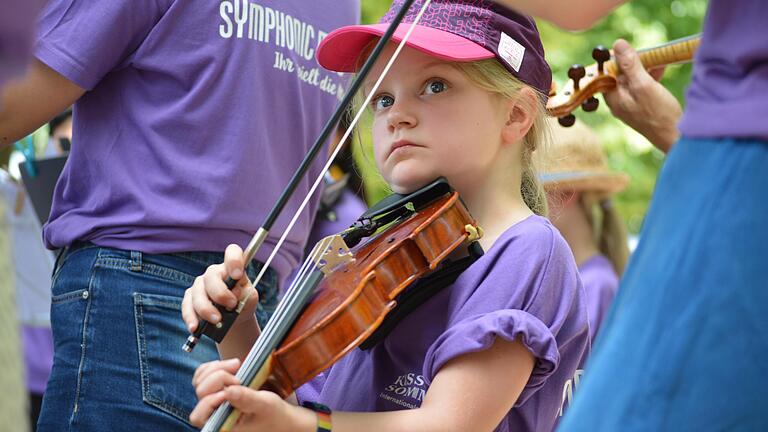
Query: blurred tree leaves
{"type": "Point", "coordinates": [644, 24]}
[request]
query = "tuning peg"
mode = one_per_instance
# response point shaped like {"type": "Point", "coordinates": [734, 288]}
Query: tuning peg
{"type": "Point", "coordinates": [590, 104]}
{"type": "Point", "coordinates": [576, 73]}
{"type": "Point", "coordinates": [567, 120]}
{"type": "Point", "coordinates": [601, 55]}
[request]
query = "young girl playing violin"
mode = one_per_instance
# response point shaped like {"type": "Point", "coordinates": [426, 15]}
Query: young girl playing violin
{"type": "Point", "coordinates": [496, 348]}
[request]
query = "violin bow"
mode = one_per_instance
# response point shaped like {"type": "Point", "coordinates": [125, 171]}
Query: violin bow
{"type": "Point", "coordinates": [218, 331]}
{"type": "Point", "coordinates": [584, 82]}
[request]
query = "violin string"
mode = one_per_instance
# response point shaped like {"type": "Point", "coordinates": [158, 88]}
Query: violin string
{"type": "Point", "coordinates": [343, 139]}
{"type": "Point", "coordinates": [307, 268]}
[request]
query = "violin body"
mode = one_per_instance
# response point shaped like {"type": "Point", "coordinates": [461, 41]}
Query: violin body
{"type": "Point", "coordinates": [353, 299]}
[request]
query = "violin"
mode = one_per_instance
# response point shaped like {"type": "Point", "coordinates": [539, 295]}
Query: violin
{"type": "Point", "coordinates": [329, 311]}
{"type": "Point", "coordinates": [584, 82]}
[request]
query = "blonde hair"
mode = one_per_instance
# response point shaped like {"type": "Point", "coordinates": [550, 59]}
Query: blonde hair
{"type": "Point", "coordinates": [491, 76]}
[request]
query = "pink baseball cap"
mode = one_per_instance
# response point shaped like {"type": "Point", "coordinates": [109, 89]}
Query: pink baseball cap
{"type": "Point", "coordinates": [451, 30]}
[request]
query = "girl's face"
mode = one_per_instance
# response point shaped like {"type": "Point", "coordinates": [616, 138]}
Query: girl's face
{"type": "Point", "coordinates": [430, 120]}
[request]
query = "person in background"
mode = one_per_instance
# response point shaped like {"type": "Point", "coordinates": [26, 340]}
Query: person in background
{"type": "Point", "coordinates": [17, 28]}
{"type": "Point", "coordinates": [580, 188]}
{"type": "Point", "coordinates": [33, 265]}
{"type": "Point", "coordinates": [60, 134]}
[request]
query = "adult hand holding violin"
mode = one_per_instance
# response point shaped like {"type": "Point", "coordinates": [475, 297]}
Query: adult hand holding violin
{"type": "Point", "coordinates": [641, 102]}
{"type": "Point", "coordinates": [210, 287]}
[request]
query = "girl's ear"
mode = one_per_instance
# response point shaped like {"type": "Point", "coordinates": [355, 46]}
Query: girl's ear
{"type": "Point", "coordinates": [521, 113]}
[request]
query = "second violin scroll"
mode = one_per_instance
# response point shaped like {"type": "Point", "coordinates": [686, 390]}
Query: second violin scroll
{"type": "Point", "coordinates": [585, 82]}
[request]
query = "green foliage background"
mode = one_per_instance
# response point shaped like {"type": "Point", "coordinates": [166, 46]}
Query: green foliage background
{"type": "Point", "coordinates": [644, 24]}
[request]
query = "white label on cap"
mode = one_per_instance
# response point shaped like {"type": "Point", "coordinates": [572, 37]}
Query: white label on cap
{"type": "Point", "coordinates": [511, 51]}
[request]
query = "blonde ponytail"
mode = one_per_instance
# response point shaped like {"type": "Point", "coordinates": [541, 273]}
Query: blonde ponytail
{"type": "Point", "coordinates": [608, 230]}
{"type": "Point", "coordinates": [530, 187]}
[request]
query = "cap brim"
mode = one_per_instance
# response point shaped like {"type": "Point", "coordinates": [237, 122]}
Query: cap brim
{"type": "Point", "coordinates": [340, 50]}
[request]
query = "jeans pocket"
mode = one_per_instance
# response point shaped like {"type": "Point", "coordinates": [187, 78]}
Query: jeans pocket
{"type": "Point", "coordinates": [166, 370]}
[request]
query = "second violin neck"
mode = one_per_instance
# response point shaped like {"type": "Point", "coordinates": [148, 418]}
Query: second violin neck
{"type": "Point", "coordinates": [677, 51]}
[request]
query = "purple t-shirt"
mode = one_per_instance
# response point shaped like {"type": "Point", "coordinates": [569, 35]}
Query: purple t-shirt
{"type": "Point", "coordinates": [196, 116]}
{"type": "Point", "coordinates": [600, 285]}
{"type": "Point", "coordinates": [17, 30]}
{"type": "Point", "coordinates": [525, 287]}
{"type": "Point", "coordinates": [726, 97]}
{"type": "Point", "coordinates": [38, 356]}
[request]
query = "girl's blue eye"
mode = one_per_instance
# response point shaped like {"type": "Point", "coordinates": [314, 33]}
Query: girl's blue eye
{"type": "Point", "coordinates": [435, 86]}
{"type": "Point", "coordinates": [383, 101]}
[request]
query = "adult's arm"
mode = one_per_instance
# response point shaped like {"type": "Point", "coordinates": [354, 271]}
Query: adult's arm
{"type": "Point", "coordinates": [568, 14]}
{"type": "Point", "coordinates": [33, 100]}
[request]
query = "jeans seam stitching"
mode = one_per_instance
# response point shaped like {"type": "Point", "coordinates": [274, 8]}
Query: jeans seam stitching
{"type": "Point", "coordinates": [147, 268]}
{"type": "Point", "coordinates": [141, 342]}
{"type": "Point", "coordinates": [80, 367]}
{"type": "Point", "coordinates": [62, 298]}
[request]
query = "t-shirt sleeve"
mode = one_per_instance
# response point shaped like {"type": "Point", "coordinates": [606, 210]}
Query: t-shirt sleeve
{"type": "Point", "coordinates": [310, 392]}
{"type": "Point", "coordinates": [529, 291]}
{"type": "Point", "coordinates": [83, 40]}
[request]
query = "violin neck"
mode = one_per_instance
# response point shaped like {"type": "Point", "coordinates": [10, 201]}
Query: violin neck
{"type": "Point", "coordinates": [253, 369]}
{"type": "Point", "coordinates": [674, 52]}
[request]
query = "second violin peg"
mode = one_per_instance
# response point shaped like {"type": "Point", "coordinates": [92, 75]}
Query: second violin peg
{"type": "Point", "coordinates": [567, 120]}
{"type": "Point", "coordinates": [590, 104]}
{"type": "Point", "coordinates": [576, 73]}
{"type": "Point", "coordinates": [601, 55]}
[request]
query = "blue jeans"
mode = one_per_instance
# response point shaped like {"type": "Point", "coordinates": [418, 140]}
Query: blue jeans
{"type": "Point", "coordinates": [117, 331]}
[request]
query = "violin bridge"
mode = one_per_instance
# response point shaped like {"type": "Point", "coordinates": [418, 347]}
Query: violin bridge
{"type": "Point", "coordinates": [336, 252]}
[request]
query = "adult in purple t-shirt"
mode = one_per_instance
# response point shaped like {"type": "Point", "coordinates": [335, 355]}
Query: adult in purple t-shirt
{"type": "Point", "coordinates": [188, 121]}
{"type": "Point", "coordinates": [684, 345]}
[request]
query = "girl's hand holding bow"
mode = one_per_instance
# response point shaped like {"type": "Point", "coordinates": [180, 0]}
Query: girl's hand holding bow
{"type": "Point", "coordinates": [215, 382]}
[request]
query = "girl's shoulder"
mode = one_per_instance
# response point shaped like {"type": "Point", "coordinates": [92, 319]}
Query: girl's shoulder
{"type": "Point", "coordinates": [528, 256]}
{"type": "Point", "coordinates": [533, 238]}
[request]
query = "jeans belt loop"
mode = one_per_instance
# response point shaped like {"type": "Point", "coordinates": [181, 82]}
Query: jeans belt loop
{"type": "Point", "coordinates": [135, 261]}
